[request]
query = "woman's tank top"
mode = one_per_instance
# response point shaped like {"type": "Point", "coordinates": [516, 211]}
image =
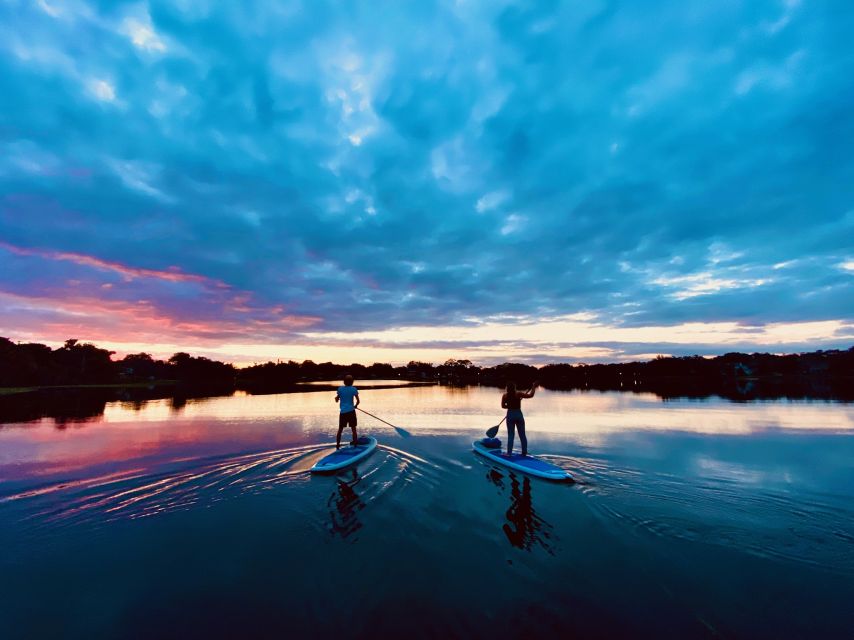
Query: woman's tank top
{"type": "Point", "coordinates": [514, 402]}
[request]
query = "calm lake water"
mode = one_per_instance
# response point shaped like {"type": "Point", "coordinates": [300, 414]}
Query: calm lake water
{"type": "Point", "coordinates": [689, 519]}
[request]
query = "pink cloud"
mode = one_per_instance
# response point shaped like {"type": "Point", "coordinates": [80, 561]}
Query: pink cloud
{"type": "Point", "coordinates": [138, 309]}
{"type": "Point", "coordinates": [92, 318]}
{"type": "Point", "coordinates": [172, 274]}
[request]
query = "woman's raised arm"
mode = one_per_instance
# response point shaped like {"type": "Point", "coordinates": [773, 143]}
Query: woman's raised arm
{"type": "Point", "coordinates": [530, 393]}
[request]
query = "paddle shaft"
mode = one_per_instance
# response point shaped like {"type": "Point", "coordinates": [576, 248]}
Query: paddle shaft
{"type": "Point", "coordinates": [380, 419]}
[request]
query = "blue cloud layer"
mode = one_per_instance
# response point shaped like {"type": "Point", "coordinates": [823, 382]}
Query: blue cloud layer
{"type": "Point", "coordinates": [384, 164]}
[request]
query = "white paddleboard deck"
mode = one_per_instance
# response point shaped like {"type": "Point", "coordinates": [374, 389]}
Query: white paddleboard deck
{"type": "Point", "coordinates": [345, 456]}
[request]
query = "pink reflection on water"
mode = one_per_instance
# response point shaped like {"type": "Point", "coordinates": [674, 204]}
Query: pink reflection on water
{"type": "Point", "coordinates": [134, 435]}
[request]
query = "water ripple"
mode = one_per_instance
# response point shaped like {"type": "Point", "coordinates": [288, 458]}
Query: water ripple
{"type": "Point", "coordinates": [136, 494]}
{"type": "Point", "coordinates": [390, 473]}
{"type": "Point", "coordinates": [719, 511]}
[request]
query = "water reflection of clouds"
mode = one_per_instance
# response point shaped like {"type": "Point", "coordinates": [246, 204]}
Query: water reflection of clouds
{"type": "Point", "coordinates": [245, 422]}
{"type": "Point", "coordinates": [42, 450]}
{"type": "Point", "coordinates": [715, 468]}
{"type": "Point", "coordinates": [589, 415]}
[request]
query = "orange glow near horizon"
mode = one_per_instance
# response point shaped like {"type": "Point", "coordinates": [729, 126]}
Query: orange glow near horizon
{"type": "Point", "coordinates": [544, 340]}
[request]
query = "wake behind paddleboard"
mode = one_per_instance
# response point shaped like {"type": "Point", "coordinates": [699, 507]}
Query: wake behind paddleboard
{"type": "Point", "coordinates": [345, 456]}
{"type": "Point", "coordinates": [531, 465]}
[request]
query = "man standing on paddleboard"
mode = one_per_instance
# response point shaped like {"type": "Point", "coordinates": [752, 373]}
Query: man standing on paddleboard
{"type": "Point", "coordinates": [512, 401]}
{"type": "Point", "coordinates": [345, 399]}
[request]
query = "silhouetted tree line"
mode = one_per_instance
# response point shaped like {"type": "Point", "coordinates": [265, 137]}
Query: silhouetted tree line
{"type": "Point", "coordinates": [691, 369]}
{"type": "Point", "coordinates": [32, 364]}
{"type": "Point", "coordinates": [37, 364]}
{"type": "Point", "coordinates": [733, 375]}
{"type": "Point", "coordinates": [276, 376]}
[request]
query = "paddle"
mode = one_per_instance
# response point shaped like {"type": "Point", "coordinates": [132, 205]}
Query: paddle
{"type": "Point", "coordinates": [403, 433]}
{"type": "Point", "coordinates": [493, 431]}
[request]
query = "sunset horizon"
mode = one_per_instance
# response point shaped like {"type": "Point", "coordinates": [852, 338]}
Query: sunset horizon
{"type": "Point", "coordinates": [596, 353]}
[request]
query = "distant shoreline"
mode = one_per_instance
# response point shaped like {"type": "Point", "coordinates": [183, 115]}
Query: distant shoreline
{"type": "Point", "coordinates": [7, 391]}
{"type": "Point", "coordinates": [31, 368]}
{"type": "Point", "coordinates": [302, 387]}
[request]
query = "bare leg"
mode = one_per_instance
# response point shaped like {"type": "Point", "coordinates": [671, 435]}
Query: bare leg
{"type": "Point", "coordinates": [355, 437]}
{"type": "Point", "coordinates": [338, 437]}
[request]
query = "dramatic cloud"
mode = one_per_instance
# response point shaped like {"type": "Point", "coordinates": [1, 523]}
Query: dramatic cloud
{"type": "Point", "coordinates": [265, 177]}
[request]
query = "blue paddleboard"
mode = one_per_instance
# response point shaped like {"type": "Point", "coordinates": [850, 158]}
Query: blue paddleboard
{"type": "Point", "coordinates": [345, 456]}
{"type": "Point", "coordinates": [531, 465]}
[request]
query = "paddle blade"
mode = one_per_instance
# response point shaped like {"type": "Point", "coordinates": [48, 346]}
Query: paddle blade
{"type": "Point", "coordinates": [492, 431]}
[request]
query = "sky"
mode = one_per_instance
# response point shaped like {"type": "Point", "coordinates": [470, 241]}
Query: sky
{"type": "Point", "coordinates": [584, 181]}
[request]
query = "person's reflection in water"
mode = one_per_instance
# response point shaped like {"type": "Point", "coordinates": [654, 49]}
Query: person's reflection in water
{"type": "Point", "coordinates": [344, 521]}
{"type": "Point", "coordinates": [524, 528]}
{"type": "Point", "coordinates": [496, 478]}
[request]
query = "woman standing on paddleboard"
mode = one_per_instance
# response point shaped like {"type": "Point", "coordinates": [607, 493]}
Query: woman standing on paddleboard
{"type": "Point", "coordinates": [512, 401]}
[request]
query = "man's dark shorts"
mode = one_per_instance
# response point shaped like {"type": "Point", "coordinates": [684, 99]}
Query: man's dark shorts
{"type": "Point", "coordinates": [347, 419]}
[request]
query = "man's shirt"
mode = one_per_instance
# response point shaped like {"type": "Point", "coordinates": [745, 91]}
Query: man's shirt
{"type": "Point", "coordinates": [346, 395]}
